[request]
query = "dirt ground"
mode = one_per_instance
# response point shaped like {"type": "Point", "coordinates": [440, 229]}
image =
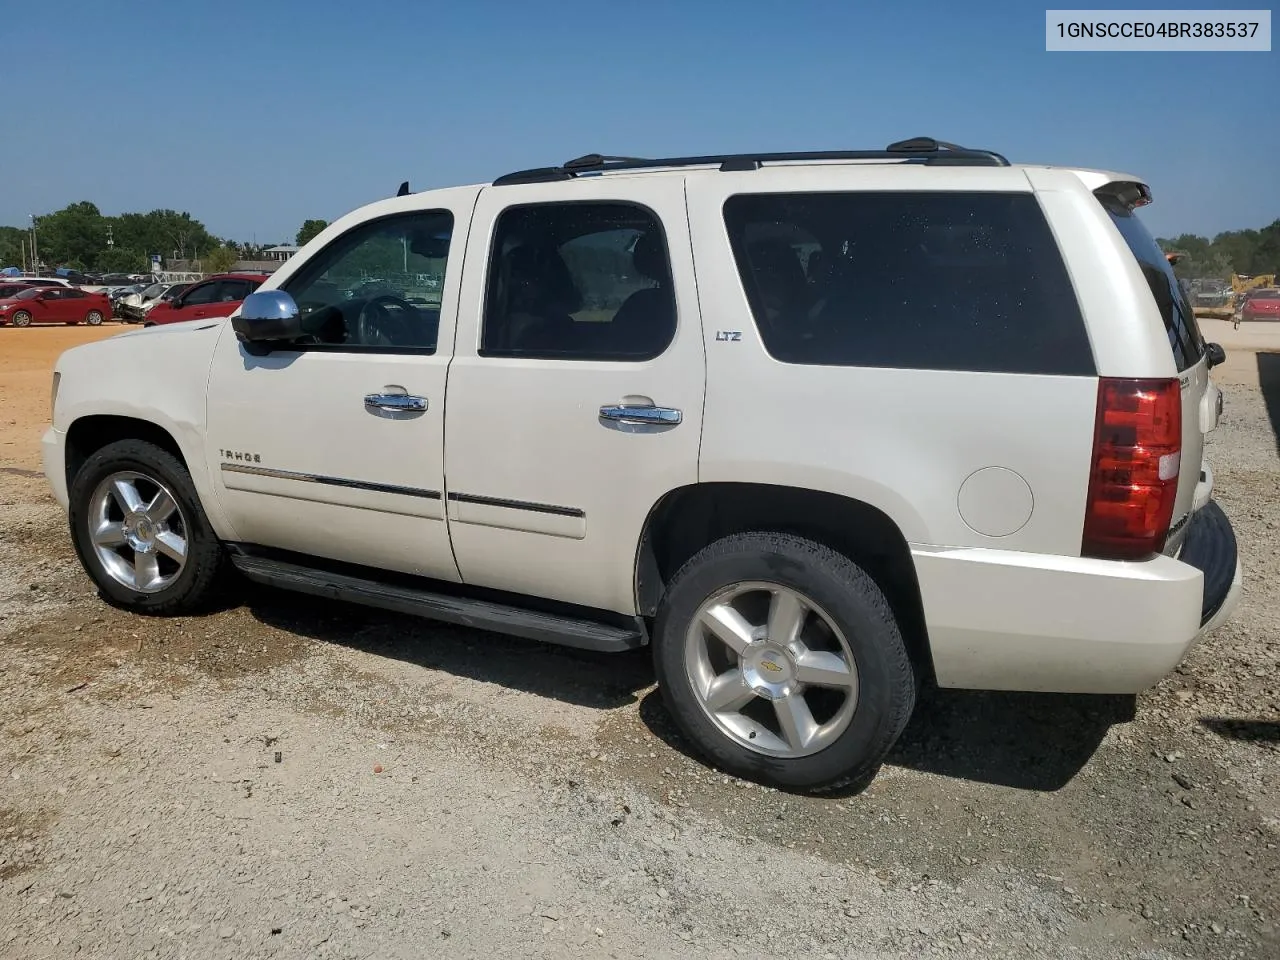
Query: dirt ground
{"type": "Point", "coordinates": [288, 778]}
{"type": "Point", "coordinates": [26, 366]}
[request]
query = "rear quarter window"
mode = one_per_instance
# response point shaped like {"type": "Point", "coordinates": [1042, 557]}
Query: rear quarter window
{"type": "Point", "coordinates": [924, 280]}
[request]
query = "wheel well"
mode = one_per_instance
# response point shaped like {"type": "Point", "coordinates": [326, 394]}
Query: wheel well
{"type": "Point", "coordinates": [88, 435]}
{"type": "Point", "coordinates": [690, 518]}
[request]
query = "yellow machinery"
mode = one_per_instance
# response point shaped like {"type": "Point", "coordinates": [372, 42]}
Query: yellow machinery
{"type": "Point", "coordinates": [1241, 283]}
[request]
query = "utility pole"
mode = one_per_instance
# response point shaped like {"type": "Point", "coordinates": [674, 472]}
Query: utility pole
{"type": "Point", "coordinates": [35, 255]}
{"type": "Point", "coordinates": [24, 254]}
{"type": "Point", "coordinates": [111, 241]}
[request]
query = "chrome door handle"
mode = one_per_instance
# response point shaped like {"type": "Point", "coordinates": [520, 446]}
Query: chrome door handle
{"type": "Point", "coordinates": [400, 402]}
{"type": "Point", "coordinates": [635, 413]}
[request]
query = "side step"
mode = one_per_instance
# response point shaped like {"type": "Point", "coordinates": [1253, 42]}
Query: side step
{"type": "Point", "coordinates": [479, 614]}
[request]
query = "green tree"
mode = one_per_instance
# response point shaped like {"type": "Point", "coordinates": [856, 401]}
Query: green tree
{"type": "Point", "coordinates": [118, 260]}
{"type": "Point", "coordinates": [166, 232]}
{"type": "Point", "coordinates": [11, 246]}
{"type": "Point", "coordinates": [1249, 252]}
{"type": "Point", "coordinates": [309, 229]}
{"type": "Point", "coordinates": [74, 236]}
{"type": "Point", "coordinates": [220, 259]}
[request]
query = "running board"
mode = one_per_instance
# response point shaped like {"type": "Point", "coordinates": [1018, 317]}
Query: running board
{"type": "Point", "coordinates": [566, 631]}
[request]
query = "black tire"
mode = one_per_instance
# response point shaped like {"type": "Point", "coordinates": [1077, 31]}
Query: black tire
{"type": "Point", "coordinates": [204, 573]}
{"type": "Point", "coordinates": [22, 319]}
{"type": "Point", "coordinates": [93, 318]}
{"type": "Point", "coordinates": [887, 684]}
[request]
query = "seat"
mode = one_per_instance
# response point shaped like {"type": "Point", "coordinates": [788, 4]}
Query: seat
{"type": "Point", "coordinates": [540, 298]}
{"type": "Point", "coordinates": [646, 321]}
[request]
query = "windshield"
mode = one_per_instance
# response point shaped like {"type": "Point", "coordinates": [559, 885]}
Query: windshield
{"type": "Point", "coordinates": [29, 294]}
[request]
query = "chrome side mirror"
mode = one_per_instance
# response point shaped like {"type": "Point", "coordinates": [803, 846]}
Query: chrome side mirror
{"type": "Point", "coordinates": [266, 316]}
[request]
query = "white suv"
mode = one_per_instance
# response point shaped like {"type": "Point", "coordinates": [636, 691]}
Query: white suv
{"type": "Point", "coordinates": [818, 427]}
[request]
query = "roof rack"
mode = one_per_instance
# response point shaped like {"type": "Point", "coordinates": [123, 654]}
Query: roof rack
{"type": "Point", "coordinates": [916, 150]}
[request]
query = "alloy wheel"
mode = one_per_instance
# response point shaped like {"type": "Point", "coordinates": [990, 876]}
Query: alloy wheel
{"type": "Point", "coordinates": [138, 531]}
{"type": "Point", "coordinates": [771, 669]}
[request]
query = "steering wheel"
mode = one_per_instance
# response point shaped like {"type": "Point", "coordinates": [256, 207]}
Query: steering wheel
{"type": "Point", "coordinates": [376, 325]}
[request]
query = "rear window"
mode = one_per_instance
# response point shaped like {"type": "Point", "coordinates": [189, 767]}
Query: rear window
{"type": "Point", "coordinates": [924, 280]}
{"type": "Point", "coordinates": [1179, 319]}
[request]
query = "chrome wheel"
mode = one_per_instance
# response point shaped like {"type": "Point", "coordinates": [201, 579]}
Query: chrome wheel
{"type": "Point", "coordinates": [94, 318]}
{"type": "Point", "coordinates": [138, 531]}
{"type": "Point", "coordinates": [21, 318]}
{"type": "Point", "coordinates": [771, 669]}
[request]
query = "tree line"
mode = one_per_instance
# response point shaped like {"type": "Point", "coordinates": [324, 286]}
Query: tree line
{"type": "Point", "coordinates": [1246, 252]}
{"type": "Point", "coordinates": [80, 237]}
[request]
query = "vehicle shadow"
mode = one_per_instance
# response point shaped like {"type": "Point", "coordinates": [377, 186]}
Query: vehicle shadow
{"type": "Point", "coordinates": [581, 677]}
{"type": "Point", "coordinates": [1269, 381]}
{"type": "Point", "coordinates": [1250, 731]}
{"type": "Point", "coordinates": [1029, 741]}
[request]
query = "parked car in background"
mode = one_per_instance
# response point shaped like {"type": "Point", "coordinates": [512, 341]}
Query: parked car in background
{"type": "Point", "coordinates": [216, 296]}
{"type": "Point", "coordinates": [43, 281]}
{"type": "Point", "coordinates": [117, 296]}
{"type": "Point", "coordinates": [135, 305]}
{"type": "Point", "coordinates": [122, 279]}
{"type": "Point", "coordinates": [1260, 304]}
{"type": "Point", "coordinates": [8, 290]}
{"type": "Point", "coordinates": [54, 305]}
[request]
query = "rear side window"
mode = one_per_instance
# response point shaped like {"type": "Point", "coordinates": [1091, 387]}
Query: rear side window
{"type": "Point", "coordinates": [234, 290]}
{"type": "Point", "coordinates": [1175, 309]}
{"type": "Point", "coordinates": [579, 281]}
{"type": "Point", "coordinates": [924, 280]}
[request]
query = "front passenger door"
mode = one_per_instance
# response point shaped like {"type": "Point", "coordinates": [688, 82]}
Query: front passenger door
{"type": "Point", "coordinates": [200, 302]}
{"type": "Point", "coordinates": [333, 445]}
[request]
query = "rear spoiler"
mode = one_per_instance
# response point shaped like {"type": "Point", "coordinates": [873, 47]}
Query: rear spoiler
{"type": "Point", "coordinates": [1128, 194]}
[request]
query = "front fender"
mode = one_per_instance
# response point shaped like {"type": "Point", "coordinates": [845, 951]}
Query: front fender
{"type": "Point", "coordinates": [159, 375]}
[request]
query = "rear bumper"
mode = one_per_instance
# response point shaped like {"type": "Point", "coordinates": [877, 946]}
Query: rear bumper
{"type": "Point", "coordinates": [1002, 620]}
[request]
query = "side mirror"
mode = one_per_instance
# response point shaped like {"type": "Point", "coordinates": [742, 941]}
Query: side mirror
{"type": "Point", "coordinates": [269, 315]}
{"type": "Point", "coordinates": [1214, 353]}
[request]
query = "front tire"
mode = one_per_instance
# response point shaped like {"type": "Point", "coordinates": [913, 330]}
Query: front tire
{"type": "Point", "coordinates": [93, 318]}
{"type": "Point", "coordinates": [22, 319]}
{"type": "Point", "coordinates": [140, 532]}
{"type": "Point", "coordinates": [781, 660]}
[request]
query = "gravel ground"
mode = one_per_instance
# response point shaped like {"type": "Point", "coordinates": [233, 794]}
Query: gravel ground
{"type": "Point", "coordinates": [287, 778]}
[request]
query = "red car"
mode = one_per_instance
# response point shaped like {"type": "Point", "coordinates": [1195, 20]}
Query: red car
{"type": "Point", "coordinates": [1263, 304]}
{"type": "Point", "coordinates": [54, 305]}
{"type": "Point", "coordinates": [216, 296]}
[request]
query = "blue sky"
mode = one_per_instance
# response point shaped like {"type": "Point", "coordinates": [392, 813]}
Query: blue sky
{"type": "Point", "coordinates": [256, 116]}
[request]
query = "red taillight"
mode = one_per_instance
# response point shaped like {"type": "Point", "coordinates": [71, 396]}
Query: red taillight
{"type": "Point", "coordinates": [1133, 480]}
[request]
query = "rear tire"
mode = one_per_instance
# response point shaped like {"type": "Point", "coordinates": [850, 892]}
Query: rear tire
{"type": "Point", "coordinates": [736, 703]}
{"type": "Point", "coordinates": [141, 533]}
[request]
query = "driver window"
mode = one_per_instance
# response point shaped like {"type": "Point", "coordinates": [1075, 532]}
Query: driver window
{"type": "Point", "coordinates": [205, 293]}
{"type": "Point", "coordinates": [377, 286]}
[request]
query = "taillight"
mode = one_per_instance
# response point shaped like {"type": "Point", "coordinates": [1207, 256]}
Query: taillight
{"type": "Point", "coordinates": [1133, 481]}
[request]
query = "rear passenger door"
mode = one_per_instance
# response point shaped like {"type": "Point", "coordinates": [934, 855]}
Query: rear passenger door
{"type": "Point", "coordinates": [575, 394]}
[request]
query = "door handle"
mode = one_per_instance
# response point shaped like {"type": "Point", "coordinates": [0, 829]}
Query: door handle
{"type": "Point", "coordinates": [400, 402]}
{"type": "Point", "coordinates": [641, 414]}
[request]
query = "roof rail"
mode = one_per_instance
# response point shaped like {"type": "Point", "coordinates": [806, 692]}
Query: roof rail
{"type": "Point", "coordinates": [916, 150]}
